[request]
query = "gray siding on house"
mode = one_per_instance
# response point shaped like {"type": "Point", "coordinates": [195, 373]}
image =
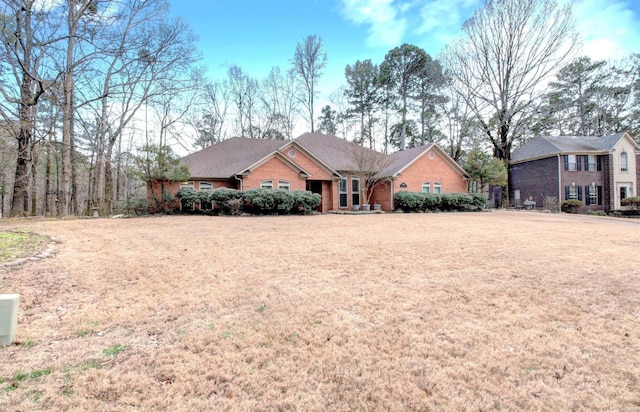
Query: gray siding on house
{"type": "Point", "coordinates": [535, 179]}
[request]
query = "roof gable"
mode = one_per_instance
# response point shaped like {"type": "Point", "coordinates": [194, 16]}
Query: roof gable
{"type": "Point", "coordinates": [401, 160]}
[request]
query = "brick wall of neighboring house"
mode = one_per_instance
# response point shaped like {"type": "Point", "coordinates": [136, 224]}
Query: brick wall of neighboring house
{"type": "Point", "coordinates": [435, 170]}
{"type": "Point", "coordinates": [584, 179]}
{"type": "Point", "coordinates": [608, 185]}
{"type": "Point", "coordinates": [536, 179]}
{"type": "Point", "coordinates": [274, 169]}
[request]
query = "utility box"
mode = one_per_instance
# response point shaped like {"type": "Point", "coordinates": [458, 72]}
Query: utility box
{"type": "Point", "coordinates": [8, 318]}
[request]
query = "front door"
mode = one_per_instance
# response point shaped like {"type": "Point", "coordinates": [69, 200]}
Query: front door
{"type": "Point", "coordinates": [315, 186]}
{"type": "Point", "coordinates": [624, 191]}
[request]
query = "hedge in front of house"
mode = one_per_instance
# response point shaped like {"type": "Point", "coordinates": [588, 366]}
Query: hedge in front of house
{"type": "Point", "coordinates": [254, 201]}
{"type": "Point", "coordinates": [191, 197]}
{"type": "Point", "coordinates": [438, 202]}
{"type": "Point", "coordinates": [571, 206]}
{"type": "Point", "coordinates": [633, 202]}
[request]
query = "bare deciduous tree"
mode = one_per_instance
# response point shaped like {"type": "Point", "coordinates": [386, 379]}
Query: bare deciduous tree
{"type": "Point", "coordinates": [508, 51]}
{"type": "Point", "coordinates": [308, 61]}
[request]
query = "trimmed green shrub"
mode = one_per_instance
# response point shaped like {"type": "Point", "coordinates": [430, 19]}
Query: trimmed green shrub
{"type": "Point", "coordinates": [264, 201]}
{"type": "Point", "coordinates": [305, 201]}
{"type": "Point", "coordinates": [407, 201]}
{"type": "Point", "coordinates": [633, 202]}
{"type": "Point", "coordinates": [189, 197]}
{"type": "Point", "coordinates": [229, 201]}
{"type": "Point", "coordinates": [433, 202]}
{"type": "Point", "coordinates": [571, 206]}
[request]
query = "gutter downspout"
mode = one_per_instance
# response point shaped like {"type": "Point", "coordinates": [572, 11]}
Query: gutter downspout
{"type": "Point", "coordinates": [239, 180]}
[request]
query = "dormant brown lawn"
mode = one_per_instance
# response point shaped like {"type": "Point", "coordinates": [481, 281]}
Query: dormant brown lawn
{"type": "Point", "coordinates": [484, 311]}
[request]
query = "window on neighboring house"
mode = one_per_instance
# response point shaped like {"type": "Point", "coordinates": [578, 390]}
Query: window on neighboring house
{"type": "Point", "coordinates": [266, 184]}
{"type": "Point", "coordinates": [355, 191]}
{"type": "Point", "coordinates": [624, 162]}
{"type": "Point", "coordinates": [571, 163]}
{"type": "Point", "coordinates": [206, 186]}
{"type": "Point", "coordinates": [426, 187]}
{"type": "Point", "coordinates": [186, 185]}
{"type": "Point", "coordinates": [437, 188]}
{"type": "Point", "coordinates": [593, 194]}
{"type": "Point", "coordinates": [342, 192]}
{"type": "Point", "coordinates": [284, 185]}
{"type": "Point", "coordinates": [573, 192]}
{"type": "Point", "coordinates": [591, 163]}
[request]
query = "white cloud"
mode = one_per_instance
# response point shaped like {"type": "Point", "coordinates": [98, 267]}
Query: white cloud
{"type": "Point", "coordinates": [609, 28]}
{"type": "Point", "coordinates": [387, 27]}
{"type": "Point", "coordinates": [445, 14]}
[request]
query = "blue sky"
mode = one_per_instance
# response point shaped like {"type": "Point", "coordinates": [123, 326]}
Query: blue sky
{"type": "Point", "coordinates": [257, 35]}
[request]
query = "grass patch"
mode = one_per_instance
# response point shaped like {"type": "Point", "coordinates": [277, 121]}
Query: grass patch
{"type": "Point", "coordinates": [16, 245]}
{"type": "Point", "coordinates": [114, 350]}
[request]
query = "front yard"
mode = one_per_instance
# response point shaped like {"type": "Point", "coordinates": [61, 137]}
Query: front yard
{"type": "Point", "coordinates": [460, 311]}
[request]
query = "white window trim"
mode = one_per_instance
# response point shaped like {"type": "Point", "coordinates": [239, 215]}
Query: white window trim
{"type": "Point", "coordinates": [573, 166]}
{"type": "Point", "coordinates": [187, 185]}
{"type": "Point", "coordinates": [343, 192]}
{"type": "Point", "coordinates": [209, 184]}
{"type": "Point", "coordinates": [573, 193]}
{"type": "Point", "coordinates": [624, 166]}
{"type": "Point", "coordinates": [284, 185]}
{"type": "Point", "coordinates": [426, 185]}
{"type": "Point", "coordinates": [266, 184]}
{"type": "Point", "coordinates": [357, 192]}
{"type": "Point", "coordinates": [437, 187]}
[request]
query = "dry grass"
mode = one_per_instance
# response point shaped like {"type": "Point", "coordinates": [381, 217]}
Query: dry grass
{"type": "Point", "coordinates": [488, 311]}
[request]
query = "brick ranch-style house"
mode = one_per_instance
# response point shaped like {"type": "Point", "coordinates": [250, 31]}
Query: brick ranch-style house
{"type": "Point", "coordinates": [599, 171]}
{"type": "Point", "coordinates": [319, 163]}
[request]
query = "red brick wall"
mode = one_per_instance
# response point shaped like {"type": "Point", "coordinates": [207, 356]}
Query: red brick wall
{"type": "Point", "coordinates": [382, 195]}
{"type": "Point", "coordinates": [316, 172]}
{"type": "Point", "coordinates": [274, 169]}
{"type": "Point", "coordinates": [430, 170]}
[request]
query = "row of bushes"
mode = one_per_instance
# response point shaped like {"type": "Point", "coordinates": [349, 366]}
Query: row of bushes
{"type": "Point", "coordinates": [439, 202]}
{"type": "Point", "coordinates": [253, 201]}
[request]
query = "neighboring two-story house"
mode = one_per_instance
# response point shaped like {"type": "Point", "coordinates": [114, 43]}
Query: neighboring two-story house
{"type": "Point", "coordinates": [599, 171]}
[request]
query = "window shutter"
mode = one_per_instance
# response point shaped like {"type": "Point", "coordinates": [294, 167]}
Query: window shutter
{"type": "Point", "coordinates": [586, 163]}
{"type": "Point", "coordinates": [599, 162]}
{"type": "Point", "coordinates": [578, 163]}
{"type": "Point", "coordinates": [566, 191]}
{"type": "Point", "coordinates": [587, 198]}
{"type": "Point", "coordinates": [579, 191]}
{"type": "Point", "coordinates": [600, 195]}
{"type": "Point", "coordinates": [566, 164]}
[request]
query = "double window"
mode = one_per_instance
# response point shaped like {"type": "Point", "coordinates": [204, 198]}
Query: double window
{"type": "Point", "coordinates": [590, 163]}
{"type": "Point", "coordinates": [266, 184]}
{"type": "Point", "coordinates": [206, 186]}
{"type": "Point", "coordinates": [573, 192]}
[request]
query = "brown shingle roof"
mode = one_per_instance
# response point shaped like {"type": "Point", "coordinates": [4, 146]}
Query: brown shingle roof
{"type": "Point", "coordinates": [229, 157]}
{"type": "Point", "coordinates": [234, 156]}
{"type": "Point", "coordinates": [332, 150]}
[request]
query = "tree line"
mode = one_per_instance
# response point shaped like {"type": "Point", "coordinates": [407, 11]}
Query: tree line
{"type": "Point", "coordinates": [94, 93]}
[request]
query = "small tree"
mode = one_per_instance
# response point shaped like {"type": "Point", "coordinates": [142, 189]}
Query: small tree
{"type": "Point", "coordinates": [159, 162]}
{"type": "Point", "coordinates": [485, 169]}
{"type": "Point", "coordinates": [368, 166]}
